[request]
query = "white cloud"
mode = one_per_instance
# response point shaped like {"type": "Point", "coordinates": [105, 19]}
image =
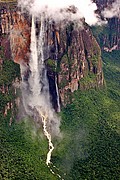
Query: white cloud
{"type": "Point", "coordinates": [113, 10]}
{"type": "Point", "coordinates": [84, 8]}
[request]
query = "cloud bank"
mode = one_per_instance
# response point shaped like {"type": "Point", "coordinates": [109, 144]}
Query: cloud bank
{"type": "Point", "coordinates": [63, 9]}
{"type": "Point", "coordinates": [113, 10]}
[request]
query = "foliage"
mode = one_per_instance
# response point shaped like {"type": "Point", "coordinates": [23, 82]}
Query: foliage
{"type": "Point", "coordinates": [94, 60]}
{"type": "Point", "coordinates": [23, 152]}
{"type": "Point", "coordinates": [51, 63]}
{"type": "Point", "coordinates": [88, 79]}
{"type": "Point", "coordinates": [9, 72]}
{"type": "Point", "coordinates": [23, 148]}
{"type": "Point", "coordinates": [99, 32]}
{"type": "Point", "coordinates": [90, 147]}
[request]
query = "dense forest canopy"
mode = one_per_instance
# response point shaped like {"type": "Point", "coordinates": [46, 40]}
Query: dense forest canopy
{"type": "Point", "coordinates": [89, 146]}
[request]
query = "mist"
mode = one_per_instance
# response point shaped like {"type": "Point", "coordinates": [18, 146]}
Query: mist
{"type": "Point", "coordinates": [112, 10]}
{"type": "Point", "coordinates": [60, 10]}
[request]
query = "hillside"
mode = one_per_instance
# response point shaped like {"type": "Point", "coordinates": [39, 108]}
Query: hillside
{"type": "Point", "coordinates": [90, 145]}
{"type": "Point", "coordinates": [62, 70]}
{"type": "Point", "coordinates": [109, 34]}
{"type": "Point", "coordinates": [92, 121]}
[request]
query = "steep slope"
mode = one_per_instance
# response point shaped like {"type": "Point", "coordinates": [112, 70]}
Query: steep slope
{"type": "Point", "coordinates": [74, 57]}
{"type": "Point", "coordinates": [90, 145]}
{"type": "Point", "coordinates": [90, 148]}
{"type": "Point", "coordinates": [109, 35]}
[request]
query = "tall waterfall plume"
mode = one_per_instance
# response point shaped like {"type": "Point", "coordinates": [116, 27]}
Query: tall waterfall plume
{"type": "Point", "coordinates": [35, 90]}
{"type": "Point", "coordinates": [57, 92]}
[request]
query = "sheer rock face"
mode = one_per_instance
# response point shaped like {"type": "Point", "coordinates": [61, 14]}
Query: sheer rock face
{"type": "Point", "coordinates": [20, 38]}
{"type": "Point", "coordinates": [74, 58]}
{"type": "Point", "coordinates": [80, 65]}
{"type": "Point", "coordinates": [111, 39]}
{"type": "Point", "coordinates": [14, 34]}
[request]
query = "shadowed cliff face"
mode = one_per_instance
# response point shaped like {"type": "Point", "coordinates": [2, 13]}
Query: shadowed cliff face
{"type": "Point", "coordinates": [79, 65]}
{"type": "Point", "coordinates": [73, 60]}
{"type": "Point", "coordinates": [111, 37]}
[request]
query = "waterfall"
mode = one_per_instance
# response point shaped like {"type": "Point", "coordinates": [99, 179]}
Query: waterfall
{"type": "Point", "coordinates": [56, 58]}
{"type": "Point", "coordinates": [58, 100]}
{"type": "Point", "coordinates": [34, 78]}
{"type": "Point", "coordinates": [35, 90]}
{"type": "Point", "coordinates": [44, 115]}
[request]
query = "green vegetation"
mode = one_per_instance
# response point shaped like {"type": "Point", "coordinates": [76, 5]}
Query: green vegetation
{"type": "Point", "coordinates": [23, 152]}
{"type": "Point", "coordinates": [99, 32]}
{"type": "Point", "coordinates": [9, 72]}
{"type": "Point", "coordinates": [23, 147]}
{"type": "Point", "coordinates": [105, 32]}
{"type": "Point", "coordinates": [51, 64]}
{"type": "Point", "coordinates": [65, 70]}
{"type": "Point", "coordinates": [95, 53]}
{"type": "Point", "coordinates": [94, 59]}
{"type": "Point", "coordinates": [88, 81]}
{"type": "Point", "coordinates": [89, 149]}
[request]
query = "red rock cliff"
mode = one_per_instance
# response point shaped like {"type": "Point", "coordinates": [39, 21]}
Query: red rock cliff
{"type": "Point", "coordinates": [78, 64]}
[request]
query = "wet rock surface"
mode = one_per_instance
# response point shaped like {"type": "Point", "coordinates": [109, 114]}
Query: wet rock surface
{"type": "Point", "coordinates": [74, 56]}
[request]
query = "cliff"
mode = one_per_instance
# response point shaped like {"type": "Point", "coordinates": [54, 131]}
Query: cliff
{"type": "Point", "coordinates": [110, 36]}
{"type": "Point", "coordinates": [74, 59]}
{"type": "Point", "coordinates": [80, 65]}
